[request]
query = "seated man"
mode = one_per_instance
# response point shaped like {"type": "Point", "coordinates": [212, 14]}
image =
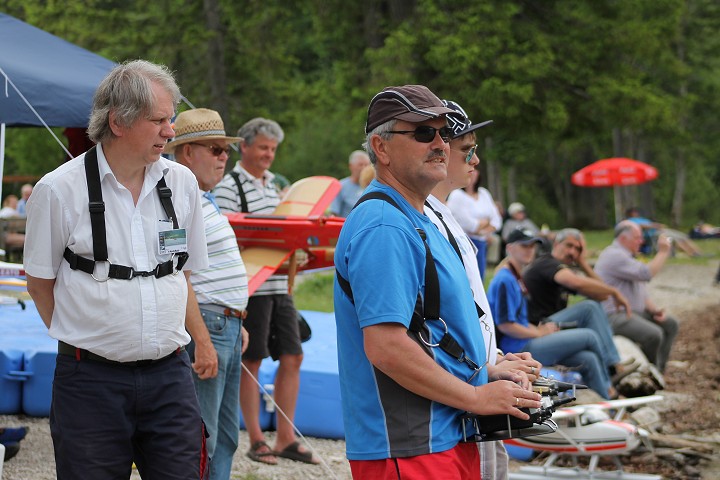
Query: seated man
{"type": "Point", "coordinates": [652, 230]}
{"type": "Point", "coordinates": [550, 281]}
{"type": "Point", "coordinates": [517, 220]}
{"type": "Point", "coordinates": [647, 325]}
{"type": "Point", "coordinates": [577, 348]}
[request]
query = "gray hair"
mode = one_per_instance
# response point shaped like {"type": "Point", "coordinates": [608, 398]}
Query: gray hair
{"type": "Point", "coordinates": [356, 155]}
{"type": "Point", "coordinates": [626, 226]}
{"type": "Point", "coordinates": [127, 91]}
{"type": "Point", "coordinates": [261, 126]}
{"type": "Point", "coordinates": [568, 232]}
{"type": "Point", "coordinates": [383, 130]}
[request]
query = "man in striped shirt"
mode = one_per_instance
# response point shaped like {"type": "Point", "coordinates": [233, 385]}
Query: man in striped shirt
{"type": "Point", "coordinates": [221, 289]}
{"type": "Point", "coordinates": [250, 188]}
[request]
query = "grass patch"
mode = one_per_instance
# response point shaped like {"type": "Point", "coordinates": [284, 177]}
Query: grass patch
{"type": "Point", "coordinates": [314, 291]}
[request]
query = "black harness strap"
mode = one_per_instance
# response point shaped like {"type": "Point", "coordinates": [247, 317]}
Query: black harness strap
{"type": "Point", "coordinates": [456, 247]}
{"type": "Point", "coordinates": [96, 206]}
{"type": "Point", "coordinates": [431, 307]}
{"type": "Point", "coordinates": [243, 201]}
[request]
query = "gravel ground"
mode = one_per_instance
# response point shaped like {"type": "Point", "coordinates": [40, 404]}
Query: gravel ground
{"type": "Point", "coordinates": [686, 290]}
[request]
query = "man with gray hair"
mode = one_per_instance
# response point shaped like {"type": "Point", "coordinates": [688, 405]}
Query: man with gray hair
{"type": "Point", "coordinates": [649, 326]}
{"type": "Point", "coordinates": [107, 233]}
{"type": "Point", "coordinates": [550, 280]}
{"type": "Point", "coordinates": [403, 389]}
{"type": "Point", "coordinates": [249, 188]}
{"type": "Point", "coordinates": [351, 190]}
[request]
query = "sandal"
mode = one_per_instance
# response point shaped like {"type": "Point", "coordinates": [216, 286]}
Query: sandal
{"type": "Point", "coordinates": [293, 452]}
{"type": "Point", "coordinates": [266, 456]}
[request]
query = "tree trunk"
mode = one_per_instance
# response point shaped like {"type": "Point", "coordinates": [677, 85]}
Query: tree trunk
{"type": "Point", "coordinates": [676, 216]}
{"type": "Point", "coordinates": [371, 24]}
{"type": "Point", "coordinates": [216, 76]}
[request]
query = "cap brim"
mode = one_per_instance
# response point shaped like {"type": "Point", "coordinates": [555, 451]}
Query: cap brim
{"type": "Point", "coordinates": [472, 128]}
{"type": "Point", "coordinates": [170, 147]}
{"type": "Point", "coordinates": [529, 241]}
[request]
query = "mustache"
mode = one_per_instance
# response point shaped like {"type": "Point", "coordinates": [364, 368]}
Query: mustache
{"type": "Point", "coordinates": [437, 153]}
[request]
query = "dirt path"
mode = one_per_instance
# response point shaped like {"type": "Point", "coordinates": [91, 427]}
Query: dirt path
{"type": "Point", "coordinates": [691, 408]}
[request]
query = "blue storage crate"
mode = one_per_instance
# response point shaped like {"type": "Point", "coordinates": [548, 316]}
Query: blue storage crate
{"type": "Point", "coordinates": [319, 408]}
{"type": "Point", "coordinates": [11, 363]}
{"type": "Point", "coordinates": [39, 369]}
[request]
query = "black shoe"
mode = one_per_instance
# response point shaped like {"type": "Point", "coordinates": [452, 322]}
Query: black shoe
{"type": "Point", "coordinates": [9, 435]}
{"type": "Point", "coordinates": [11, 449]}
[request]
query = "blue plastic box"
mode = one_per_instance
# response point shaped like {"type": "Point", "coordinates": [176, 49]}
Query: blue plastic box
{"type": "Point", "coordinates": [319, 408]}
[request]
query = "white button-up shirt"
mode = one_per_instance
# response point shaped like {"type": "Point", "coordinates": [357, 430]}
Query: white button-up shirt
{"type": "Point", "coordinates": [122, 320]}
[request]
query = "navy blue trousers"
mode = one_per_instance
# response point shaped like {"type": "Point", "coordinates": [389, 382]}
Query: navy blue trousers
{"type": "Point", "coordinates": [104, 417]}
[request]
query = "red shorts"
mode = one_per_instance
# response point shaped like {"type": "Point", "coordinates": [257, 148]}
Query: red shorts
{"type": "Point", "coordinates": [459, 463]}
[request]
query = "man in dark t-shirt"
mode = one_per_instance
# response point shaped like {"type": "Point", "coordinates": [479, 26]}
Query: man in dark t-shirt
{"type": "Point", "coordinates": [546, 296]}
{"type": "Point", "coordinates": [550, 281]}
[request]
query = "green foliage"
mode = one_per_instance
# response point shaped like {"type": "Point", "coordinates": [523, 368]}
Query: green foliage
{"type": "Point", "coordinates": [557, 78]}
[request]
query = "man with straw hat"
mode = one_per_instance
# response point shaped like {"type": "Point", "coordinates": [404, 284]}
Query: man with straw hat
{"type": "Point", "coordinates": [221, 289]}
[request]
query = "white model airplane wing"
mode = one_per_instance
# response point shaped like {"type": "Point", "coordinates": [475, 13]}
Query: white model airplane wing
{"type": "Point", "coordinates": [578, 410]}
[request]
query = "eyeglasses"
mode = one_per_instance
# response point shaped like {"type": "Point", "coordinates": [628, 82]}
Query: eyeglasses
{"type": "Point", "coordinates": [217, 151]}
{"type": "Point", "coordinates": [469, 154]}
{"type": "Point", "coordinates": [426, 133]}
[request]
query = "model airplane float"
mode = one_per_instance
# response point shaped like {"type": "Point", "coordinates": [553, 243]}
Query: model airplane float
{"type": "Point", "coordinates": [296, 236]}
{"type": "Point", "coordinates": [587, 430]}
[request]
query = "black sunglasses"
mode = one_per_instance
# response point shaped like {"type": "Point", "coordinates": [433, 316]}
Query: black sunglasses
{"type": "Point", "coordinates": [217, 151]}
{"type": "Point", "coordinates": [426, 133]}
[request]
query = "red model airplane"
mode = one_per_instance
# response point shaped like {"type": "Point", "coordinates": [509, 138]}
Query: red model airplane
{"type": "Point", "coordinates": [296, 236]}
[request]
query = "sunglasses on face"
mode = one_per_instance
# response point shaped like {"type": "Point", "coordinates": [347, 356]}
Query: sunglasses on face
{"type": "Point", "coordinates": [469, 154]}
{"type": "Point", "coordinates": [216, 151]}
{"type": "Point", "coordinates": [426, 133]}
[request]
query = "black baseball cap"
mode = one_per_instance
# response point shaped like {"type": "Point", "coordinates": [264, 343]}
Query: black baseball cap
{"type": "Point", "coordinates": [412, 103]}
{"type": "Point", "coordinates": [523, 237]}
{"type": "Point", "coordinates": [459, 122]}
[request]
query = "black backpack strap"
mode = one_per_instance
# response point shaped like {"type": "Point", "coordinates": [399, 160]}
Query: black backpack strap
{"type": "Point", "coordinates": [344, 284]}
{"type": "Point", "coordinates": [430, 308]}
{"type": "Point", "coordinates": [243, 201]}
{"type": "Point", "coordinates": [96, 206]}
{"type": "Point", "coordinates": [456, 247]}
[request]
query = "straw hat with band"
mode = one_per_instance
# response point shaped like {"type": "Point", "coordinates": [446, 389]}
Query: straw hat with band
{"type": "Point", "coordinates": [198, 124]}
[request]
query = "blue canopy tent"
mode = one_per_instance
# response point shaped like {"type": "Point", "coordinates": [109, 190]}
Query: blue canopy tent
{"type": "Point", "coordinates": [45, 80]}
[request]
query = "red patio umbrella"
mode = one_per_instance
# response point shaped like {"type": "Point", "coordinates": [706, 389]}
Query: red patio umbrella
{"type": "Point", "coordinates": [614, 172]}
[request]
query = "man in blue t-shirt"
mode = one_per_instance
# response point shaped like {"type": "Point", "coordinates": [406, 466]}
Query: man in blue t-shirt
{"type": "Point", "coordinates": [402, 394]}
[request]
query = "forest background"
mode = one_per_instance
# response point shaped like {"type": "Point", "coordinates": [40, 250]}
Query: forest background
{"type": "Point", "coordinates": [567, 82]}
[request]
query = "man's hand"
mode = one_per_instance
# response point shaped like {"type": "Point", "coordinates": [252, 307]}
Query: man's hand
{"type": "Point", "coordinates": [508, 371]}
{"type": "Point", "coordinates": [206, 361]}
{"type": "Point", "coordinates": [659, 315]}
{"type": "Point", "coordinates": [664, 244]}
{"type": "Point", "coordinates": [521, 361]}
{"type": "Point", "coordinates": [504, 397]}
{"type": "Point", "coordinates": [547, 328]}
{"type": "Point", "coordinates": [621, 303]}
{"type": "Point", "coordinates": [245, 340]}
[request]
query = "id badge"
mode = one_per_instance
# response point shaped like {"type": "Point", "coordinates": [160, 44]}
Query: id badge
{"type": "Point", "coordinates": [172, 240]}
